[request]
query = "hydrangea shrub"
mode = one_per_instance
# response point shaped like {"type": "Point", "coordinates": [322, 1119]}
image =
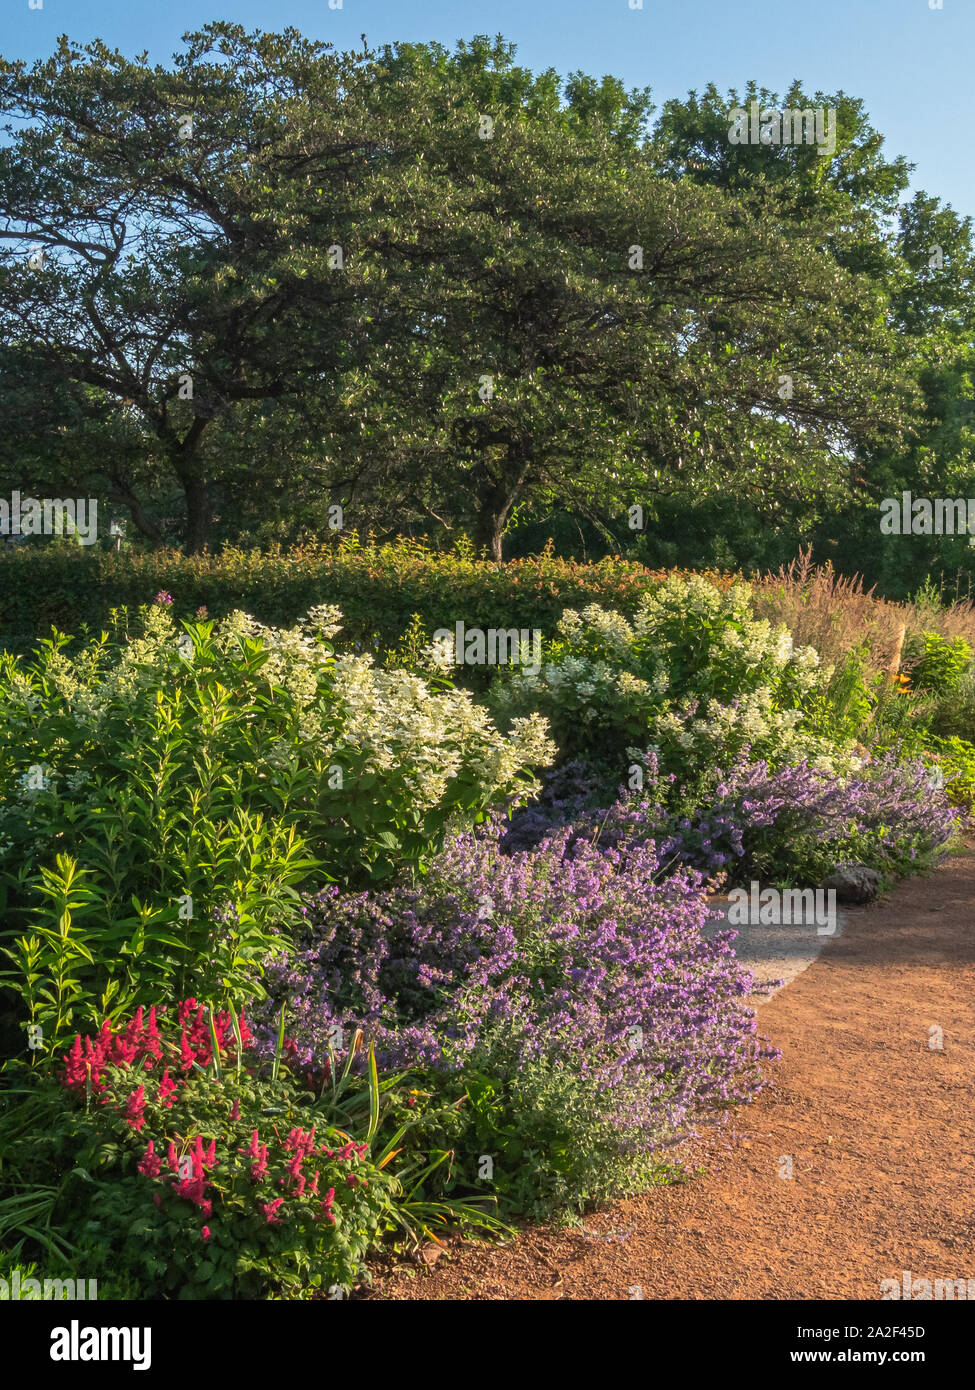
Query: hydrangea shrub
{"type": "Point", "coordinates": [695, 674]}
{"type": "Point", "coordinates": [175, 791]}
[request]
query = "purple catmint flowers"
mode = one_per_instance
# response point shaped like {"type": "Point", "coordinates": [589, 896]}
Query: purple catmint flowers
{"type": "Point", "coordinates": [794, 822]}
{"type": "Point", "coordinates": [590, 964]}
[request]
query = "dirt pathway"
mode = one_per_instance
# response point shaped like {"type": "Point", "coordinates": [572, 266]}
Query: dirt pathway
{"type": "Point", "coordinates": [877, 1123]}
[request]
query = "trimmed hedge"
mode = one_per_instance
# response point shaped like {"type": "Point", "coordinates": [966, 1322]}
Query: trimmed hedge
{"type": "Point", "coordinates": [378, 588]}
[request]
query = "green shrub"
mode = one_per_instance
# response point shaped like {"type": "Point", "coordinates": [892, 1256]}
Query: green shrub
{"type": "Point", "coordinates": [694, 675]}
{"type": "Point", "coordinates": [940, 665]}
{"type": "Point", "coordinates": [162, 801]}
{"type": "Point", "coordinates": [951, 762]}
{"type": "Point", "coordinates": [184, 1167]}
{"type": "Point", "coordinates": [379, 588]}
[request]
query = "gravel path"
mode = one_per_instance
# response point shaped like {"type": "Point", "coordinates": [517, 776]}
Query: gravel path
{"type": "Point", "coordinates": [774, 953]}
{"type": "Point", "coordinates": [856, 1165]}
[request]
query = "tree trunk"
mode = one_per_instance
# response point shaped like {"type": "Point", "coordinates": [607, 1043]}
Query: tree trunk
{"type": "Point", "coordinates": [496, 499]}
{"type": "Point", "coordinates": [188, 467]}
{"type": "Point", "coordinates": [489, 532]}
{"type": "Point", "coordinates": [197, 514]}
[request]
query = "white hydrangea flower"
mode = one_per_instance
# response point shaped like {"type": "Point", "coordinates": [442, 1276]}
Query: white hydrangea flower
{"type": "Point", "coordinates": [325, 619]}
{"type": "Point", "coordinates": [442, 653]}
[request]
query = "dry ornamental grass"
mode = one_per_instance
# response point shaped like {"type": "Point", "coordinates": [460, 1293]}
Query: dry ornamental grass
{"type": "Point", "coordinates": [835, 614]}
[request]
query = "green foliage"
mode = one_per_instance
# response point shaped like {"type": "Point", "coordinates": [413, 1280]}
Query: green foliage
{"type": "Point", "coordinates": [842, 709]}
{"type": "Point", "coordinates": [208, 1176]}
{"type": "Point", "coordinates": [951, 762]}
{"type": "Point", "coordinates": [164, 798]}
{"type": "Point", "coordinates": [954, 762]}
{"type": "Point", "coordinates": [53, 1280]}
{"type": "Point", "coordinates": [380, 589]}
{"type": "Point", "coordinates": [553, 1150]}
{"type": "Point", "coordinates": [253, 1247]}
{"type": "Point", "coordinates": [940, 665]}
{"type": "Point", "coordinates": [695, 675]}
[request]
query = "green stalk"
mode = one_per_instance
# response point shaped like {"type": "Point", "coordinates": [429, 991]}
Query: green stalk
{"type": "Point", "coordinates": [216, 1043]}
{"type": "Point", "coordinates": [235, 1021]}
{"type": "Point", "coordinates": [275, 1065]}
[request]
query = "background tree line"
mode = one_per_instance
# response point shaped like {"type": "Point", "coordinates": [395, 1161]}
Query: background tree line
{"type": "Point", "coordinates": [457, 297]}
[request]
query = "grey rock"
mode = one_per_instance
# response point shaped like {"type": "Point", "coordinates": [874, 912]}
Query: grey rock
{"type": "Point", "coordinates": [854, 883]}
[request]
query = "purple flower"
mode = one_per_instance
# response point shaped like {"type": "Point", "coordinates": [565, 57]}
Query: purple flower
{"type": "Point", "coordinates": [592, 964]}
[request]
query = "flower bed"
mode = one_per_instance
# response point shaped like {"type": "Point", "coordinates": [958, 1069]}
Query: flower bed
{"type": "Point", "coordinates": [579, 986]}
{"type": "Point", "coordinates": [454, 1014]}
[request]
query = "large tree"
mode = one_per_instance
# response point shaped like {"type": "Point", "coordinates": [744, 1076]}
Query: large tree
{"type": "Point", "coordinates": [637, 332]}
{"type": "Point", "coordinates": [918, 254]}
{"type": "Point", "coordinates": [155, 248]}
{"type": "Point", "coordinates": [533, 306]}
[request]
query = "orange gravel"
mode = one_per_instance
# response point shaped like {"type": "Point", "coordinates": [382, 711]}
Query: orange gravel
{"type": "Point", "coordinates": [876, 1122]}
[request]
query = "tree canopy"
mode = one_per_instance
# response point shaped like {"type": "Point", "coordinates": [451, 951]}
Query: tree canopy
{"type": "Point", "coordinates": [438, 288]}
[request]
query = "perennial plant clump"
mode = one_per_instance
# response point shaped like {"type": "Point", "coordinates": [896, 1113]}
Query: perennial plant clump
{"type": "Point", "coordinates": [695, 673]}
{"type": "Point", "coordinates": [530, 971]}
{"type": "Point", "coordinates": [190, 1167]}
{"type": "Point", "coordinates": [789, 825]}
{"type": "Point", "coordinates": [163, 800]}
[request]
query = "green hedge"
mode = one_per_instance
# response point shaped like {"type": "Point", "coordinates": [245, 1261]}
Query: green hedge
{"type": "Point", "coordinates": [378, 588]}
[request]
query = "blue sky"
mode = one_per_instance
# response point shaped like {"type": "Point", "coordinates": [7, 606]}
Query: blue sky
{"type": "Point", "coordinates": [910, 63]}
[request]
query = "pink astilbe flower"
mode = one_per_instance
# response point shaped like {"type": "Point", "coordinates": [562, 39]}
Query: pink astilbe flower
{"type": "Point", "coordinates": [123, 1053]}
{"type": "Point", "coordinates": [150, 1165]}
{"type": "Point", "coordinates": [75, 1068]}
{"type": "Point", "coordinates": [135, 1108]}
{"type": "Point", "coordinates": [167, 1089]}
{"type": "Point", "coordinates": [134, 1031]}
{"type": "Point", "coordinates": [270, 1210]}
{"type": "Point", "coordinates": [186, 1054]}
{"type": "Point", "coordinates": [193, 1187]}
{"type": "Point", "coordinates": [199, 1036]}
{"type": "Point", "coordinates": [151, 1045]}
{"type": "Point", "coordinates": [258, 1152]}
{"type": "Point", "coordinates": [326, 1206]}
